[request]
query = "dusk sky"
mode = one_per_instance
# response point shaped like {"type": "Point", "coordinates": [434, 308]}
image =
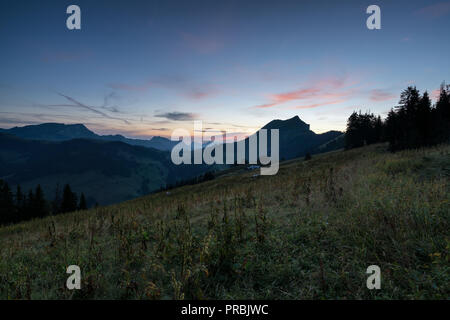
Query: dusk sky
{"type": "Point", "coordinates": [144, 68]}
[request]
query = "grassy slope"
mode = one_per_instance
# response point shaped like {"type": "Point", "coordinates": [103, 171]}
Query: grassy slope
{"type": "Point", "coordinates": [308, 232]}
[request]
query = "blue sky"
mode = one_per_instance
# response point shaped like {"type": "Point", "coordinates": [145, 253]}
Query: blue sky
{"type": "Point", "coordinates": [143, 68]}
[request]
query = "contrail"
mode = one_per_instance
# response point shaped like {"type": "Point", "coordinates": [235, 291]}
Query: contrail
{"type": "Point", "coordinates": [90, 108]}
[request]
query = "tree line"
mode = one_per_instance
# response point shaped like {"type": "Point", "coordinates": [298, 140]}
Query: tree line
{"type": "Point", "coordinates": [19, 206]}
{"type": "Point", "coordinates": [415, 122]}
{"type": "Point", "coordinates": [207, 176]}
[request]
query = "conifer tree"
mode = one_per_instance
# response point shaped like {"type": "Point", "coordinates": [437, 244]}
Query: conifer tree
{"type": "Point", "coordinates": [56, 203]}
{"type": "Point", "coordinates": [40, 208]}
{"type": "Point", "coordinates": [69, 200]}
{"type": "Point", "coordinates": [7, 209]}
{"type": "Point", "coordinates": [20, 204]}
{"type": "Point", "coordinates": [82, 204]}
{"type": "Point", "coordinates": [29, 206]}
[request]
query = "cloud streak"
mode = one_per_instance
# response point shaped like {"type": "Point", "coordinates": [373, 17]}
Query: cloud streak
{"type": "Point", "coordinates": [177, 116]}
{"type": "Point", "coordinates": [79, 105]}
{"type": "Point", "coordinates": [315, 105]}
{"type": "Point", "coordinates": [326, 91]}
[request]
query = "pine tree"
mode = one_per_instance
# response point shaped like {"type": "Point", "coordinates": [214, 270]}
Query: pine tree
{"type": "Point", "coordinates": [362, 129]}
{"type": "Point", "coordinates": [29, 206]}
{"type": "Point", "coordinates": [7, 209]}
{"type": "Point", "coordinates": [69, 200]}
{"type": "Point", "coordinates": [56, 203]}
{"type": "Point", "coordinates": [20, 204]}
{"type": "Point", "coordinates": [82, 204]}
{"type": "Point", "coordinates": [441, 119]}
{"type": "Point", "coordinates": [407, 110]}
{"type": "Point", "coordinates": [423, 121]}
{"type": "Point", "coordinates": [378, 129]}
{"type": "Point", "coordinates": [40, 208]}
{"type": "Point", "coordinates": [402, 123]}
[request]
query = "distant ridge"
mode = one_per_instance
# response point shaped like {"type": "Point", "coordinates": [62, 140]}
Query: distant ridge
{"type": "Point", "coordinates": [294, 122]}
{"type": "Point", "coordinates": [114, 168]}
{"type": "Point", "coordinates": [106, 171]}
{"type": "Point", "coordinates": [52, 131]}
{"type": "Point", "coordinates": [296, 138]}
{"type": "Point", "coordinates": [64, 132]}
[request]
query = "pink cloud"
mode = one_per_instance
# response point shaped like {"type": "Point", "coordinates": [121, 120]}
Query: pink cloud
{"type": "Point", "coordinates": [315, 105]}
{"type": "Point", "coordinates": [435, 94]}
{"type": "Point", "coordinates": [435, 10]}
{"type": "Point", "coordinates": [295, 95]}
{"type": "Point", "coordinates": [326, 91]}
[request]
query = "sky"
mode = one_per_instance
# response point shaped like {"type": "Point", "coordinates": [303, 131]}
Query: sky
{"type": "Point", "coordinates": [145, 68]}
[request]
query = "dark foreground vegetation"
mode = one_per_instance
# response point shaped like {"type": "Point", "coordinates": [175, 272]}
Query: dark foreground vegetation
{"type": "Point", "coordinates": [18, 206]}
{"type": "Point", "coordinates": [309, 232]}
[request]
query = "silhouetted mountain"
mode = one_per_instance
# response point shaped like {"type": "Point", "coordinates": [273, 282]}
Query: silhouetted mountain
{"type": "Point", "coordinates": [296, 139]}
{"type": "Point", "coordinates": [52, 132]}
{"type": "Point", "coordinates": [64, 132]}
{"type": "Point", "coordinates": [107, 171]}
{"type": "Point", "coordinates": [114, 168]}
{"type": "Point", "coordinates": [292, 124]}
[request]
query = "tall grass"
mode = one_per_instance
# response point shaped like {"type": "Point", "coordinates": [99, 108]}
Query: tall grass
{"type": "Point", "coordinates": [308, 232]}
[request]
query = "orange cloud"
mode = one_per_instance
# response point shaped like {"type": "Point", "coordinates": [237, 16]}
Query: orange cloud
{"type": "Point", "coordinates": [327, 91]}
{"type": "Point", "coordinates": [315, 105]}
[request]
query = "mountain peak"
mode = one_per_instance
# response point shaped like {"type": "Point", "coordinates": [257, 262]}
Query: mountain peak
{"type": "Point", "coordinates": [158, 138]}
{"type": "Point", "coordinates": [52, 131]}
{"type": "Point", "coordinates": [292, 123]}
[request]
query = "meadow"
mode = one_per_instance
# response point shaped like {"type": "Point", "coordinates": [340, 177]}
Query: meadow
{"type": "Point", "coordinates": [309, 232]}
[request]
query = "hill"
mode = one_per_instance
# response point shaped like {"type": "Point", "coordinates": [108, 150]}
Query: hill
{"type": "Point", "coordinates": [64, 132]}
{"type": "Point", "coordinates": [309, 232]}
{"type": "Point", "coordinates": [295, 139]}
{"type": "Point", "coordinates": [106, 171]}
{"type": "Point", "coordinates": [111, 169]}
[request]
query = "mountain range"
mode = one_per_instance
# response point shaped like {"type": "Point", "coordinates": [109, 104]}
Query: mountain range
{"type": "Point", "coordinates": [64, 132]}
{"type": "Point", "coordinates": [105, 171]}
{"type": "Point", "coordinates": [113, 168]}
